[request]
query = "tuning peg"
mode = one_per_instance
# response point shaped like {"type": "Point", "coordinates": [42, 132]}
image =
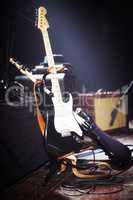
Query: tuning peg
{"type": "Point", "coordinates": [36, 17]}
{"type": "Point", "coordinates": [19, 63]}
{"type": "Point", "coordinates": [27, 69]}
{"type": "Point", "coordinates": [36, 12]}
{"type": "Point", "coordinates": [36, 21]}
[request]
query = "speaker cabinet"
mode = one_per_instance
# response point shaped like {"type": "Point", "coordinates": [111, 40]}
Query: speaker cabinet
{"type": "Point", "coordinates": [22, 147]}
{"type": "Point", "coordinates": [108, 110]}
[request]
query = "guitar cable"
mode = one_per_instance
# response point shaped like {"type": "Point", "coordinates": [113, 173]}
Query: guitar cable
{"type": "Point", "coordinates": [82, 187]}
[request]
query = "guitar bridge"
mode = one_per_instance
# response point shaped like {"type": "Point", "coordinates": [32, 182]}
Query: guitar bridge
{"type": "Point", "coordinates": [65, 133]}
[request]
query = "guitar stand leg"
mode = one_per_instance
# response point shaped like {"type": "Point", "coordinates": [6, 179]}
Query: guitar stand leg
{"type": "Point", "coordinates": [53, 168]}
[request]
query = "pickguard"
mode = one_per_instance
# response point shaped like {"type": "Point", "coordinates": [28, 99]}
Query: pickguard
{"type": "Point", "coordinates": [64, 119]}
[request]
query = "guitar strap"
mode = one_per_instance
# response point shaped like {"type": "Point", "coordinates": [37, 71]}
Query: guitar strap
{"type": "Point", "coordinates": [59, 69]}
{"type": "Point", "coordinates": [40, 119]}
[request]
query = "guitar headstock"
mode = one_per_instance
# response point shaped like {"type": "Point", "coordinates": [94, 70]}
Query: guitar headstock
{"type": "Point", "coordinates": [42, 21]}
{"type": "Point", "coordinates": [11, 60]}
{"type": "Point", "coordinates": [23, 70]}
{"type": "Point", "coordinates": [17, 64]}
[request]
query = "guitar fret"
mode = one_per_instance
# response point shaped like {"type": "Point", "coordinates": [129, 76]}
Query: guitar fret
{"type": "Point", "coordinates": [54, 80]}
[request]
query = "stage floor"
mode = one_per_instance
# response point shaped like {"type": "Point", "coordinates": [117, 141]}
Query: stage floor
{"type": "Point", "coordinates": [32, 186]}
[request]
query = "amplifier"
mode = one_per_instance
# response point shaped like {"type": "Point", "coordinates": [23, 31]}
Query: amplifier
{"type": "Point", "coordinates": [109, 110]}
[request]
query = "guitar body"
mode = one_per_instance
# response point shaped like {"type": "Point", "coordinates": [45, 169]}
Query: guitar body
{"type": "Point", "coordinates": [57, 145]}
{"type": "Point", "coordinates": [61, 126]}
{"type": "Point", "coordinates": [64, 120]}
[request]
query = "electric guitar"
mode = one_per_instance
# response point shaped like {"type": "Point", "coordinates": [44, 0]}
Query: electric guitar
{"type": "Point", "coordinates": [24, 71]}
{"type": "Point", "coordinates": [63, 123]}
{"type": "Point", "coordinates": [64, 120]}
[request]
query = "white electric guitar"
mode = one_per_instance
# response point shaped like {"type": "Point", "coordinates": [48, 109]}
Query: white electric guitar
{"type": "Point", "coordinates": [64, 118]}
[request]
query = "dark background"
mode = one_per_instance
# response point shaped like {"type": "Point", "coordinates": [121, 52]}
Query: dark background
{"type": "Point", "coordinates": [96, 37]}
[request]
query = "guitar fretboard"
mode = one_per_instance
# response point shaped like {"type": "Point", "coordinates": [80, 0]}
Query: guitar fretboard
{"type": "Point", "coordinates": [48, 49]}
{"type": "Point", "coordinates": [54, 80]}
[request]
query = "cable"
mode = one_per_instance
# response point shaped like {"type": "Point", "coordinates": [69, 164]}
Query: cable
{"type": "Point", "coordinates": [81, 186]}
{"type": "Point", "coordinates": [90, 190]}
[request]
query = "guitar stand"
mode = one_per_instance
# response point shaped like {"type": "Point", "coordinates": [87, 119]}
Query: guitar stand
{"type": "Point", "coordinates": [94, 170]}
{"type": "Point", "coordinates": [70, 173]}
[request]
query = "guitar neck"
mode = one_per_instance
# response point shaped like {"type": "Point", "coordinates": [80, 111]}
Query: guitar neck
{"type": "Point", "coordinates": [43, 26]}
{"type": "Point", "coordinates": [54, 79]}
{"type": "Point", "coordinates": [48, 49]}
